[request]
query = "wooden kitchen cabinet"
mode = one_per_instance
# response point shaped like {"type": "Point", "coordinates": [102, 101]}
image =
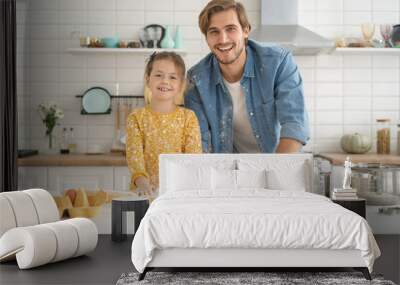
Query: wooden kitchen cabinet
{"type": "Point", "coordinates": [91, 178]}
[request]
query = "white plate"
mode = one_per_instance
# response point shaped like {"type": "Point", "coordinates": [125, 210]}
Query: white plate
{"type": "Point", "coordinates": [96, 100]}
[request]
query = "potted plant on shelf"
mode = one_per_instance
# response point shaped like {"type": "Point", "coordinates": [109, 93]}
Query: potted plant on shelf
{"type": "Point", "coordinates": [50, 113]}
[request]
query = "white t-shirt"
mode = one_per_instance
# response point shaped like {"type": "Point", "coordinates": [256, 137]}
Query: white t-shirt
{"type": "Point", "coordinates": [243, 137]}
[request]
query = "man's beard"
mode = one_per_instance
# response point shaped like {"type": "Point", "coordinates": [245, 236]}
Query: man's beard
{"type": "Point", "coordinates": [237, 55]}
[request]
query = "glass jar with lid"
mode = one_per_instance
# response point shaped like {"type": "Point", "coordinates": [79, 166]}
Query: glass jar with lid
{"type": "Point", "coordinates": [398, 139]}
{"type": "Point", "coordinates": [383, 136]}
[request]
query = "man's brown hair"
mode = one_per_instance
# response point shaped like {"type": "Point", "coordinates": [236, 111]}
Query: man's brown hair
{"type": "Point", "coordinates": [216, 6]}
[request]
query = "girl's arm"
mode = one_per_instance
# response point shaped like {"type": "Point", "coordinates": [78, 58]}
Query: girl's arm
{"type": "Point", "coordinates": [192, 141]}
{"type": "Point", "coordinates": [134, 149]}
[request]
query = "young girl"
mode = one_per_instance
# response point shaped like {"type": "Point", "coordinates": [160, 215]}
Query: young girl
{"type": "Point", "coordinates": [161, 126]}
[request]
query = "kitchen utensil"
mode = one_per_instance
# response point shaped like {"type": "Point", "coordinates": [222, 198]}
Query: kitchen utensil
{"type": "Point", "coordinates": [396, 36]}
{"type": "Point", "coordinates": [151, 36]}
{"type": "Point", "coordinates": [378, 184]}
{"type": "Point", "coordinates": [111, 42]}
{"type": "Point", "coordinates": [386, 33]}
{"type": "Point", "coordinates": [96, 100]}
{"type": "Point", "coordinates": [368, 30]}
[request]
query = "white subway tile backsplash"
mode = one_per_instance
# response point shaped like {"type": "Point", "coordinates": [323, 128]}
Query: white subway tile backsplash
{"type": "Point", "coordinates": [355, 61]}
{"type": "Point", "coordinates": [329, 61]}
{"type": "Point", "coordinates": [385, 89]}
{"type": "Point", "coordinates": [385, 61]}
{"type": "Point", "coordinates": [101, 74]}
{"type": "Point", "coordinates": [329, 103]}
{"type": "Point", "coordinates": [186, 18]}
{"type": "Point", "coordinates": [130, 5]}
{"type": "Point", "coordinates": [360, 129]}
{"type": "Point", "coordinates": [128, 32]}
{"type": "Point", "coordinates": [68, 17]}
{"type": "Point", "coordinates": [158, 5]}
{"type": "Point", "coordinates": [130, 18]}
{"type": "Point", "coordinates": [101, 132]}
{"type": "Point", "coordinates": [192, 33]}
{"type": "Point", "coordinates": [357, 89]}
{"type": "Point", "coordinates": [129, 75]}
{"type": "Point", "coordinates": [385, 5]}
{"type": "Point", "coordinates": [101, 17]}
{"type": "Point", "coordinates": [250, 5]}
{"type": "Point", "coordinates": [162, 18]}
{"type": "Point", "coordinates": [357, 117]}
{"type": "Point", "coordinates": [40, 5]}
{"type": "Point", "coordinates": [329, 75]}
{"type": "Point", "coordinates": [184, 5]}
{"type": "Point", "coordinates": [131, 61]}
{"type": "Point", "coordinates": [79, 5]}
{"type": "Point", "coordinates": [357, 75]}
{"type": "Point", "coordinates": [328, 131]}
{"type": "Point", "coordinates": [329, 18]}
{"type": "Point", "coordinates": [101, 31]}
{"type": "Point", "coordinates": [357, 5]}
{"type": "Point", "coordinates": [43, 74]}
{"type": "Point", "coordinates": [42, 46]}
{"type": "Point", "coordinates": [385, 17]}
{"type": "Point", "coordinates": [43, 32]}
{"type": "Point", "coordinates": [385, 75]}
{"type": "Point", "coordinates": [43, 17]}
{"type": "Point", "coordinates": [357, 103]}
{"type": "Point", "coordinates": [333, 89]}
{"type": "Point", "coordinates": [307, 5]}
{"type": "Point", "coordinates": [102, 4]}
{"type": "Point", "coordinates": [329, 117]}
{"type": "Point", "coordinates": [100, 61]}
{"type": "Point", "coordinates": [71, 61]}
{"type": "Point", "coordinates": [356, 18]}
{"type": "Point", "coordinates": [73, 75]}
{"type": "Point", "coordinates": [330, 5]}
{"type": "Point", "coordinates": [385, 103]}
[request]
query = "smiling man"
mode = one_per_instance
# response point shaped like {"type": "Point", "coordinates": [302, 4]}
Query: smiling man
{"type": "Point", "coordinates": [248, 98]}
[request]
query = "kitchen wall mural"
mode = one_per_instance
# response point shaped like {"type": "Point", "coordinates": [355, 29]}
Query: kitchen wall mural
{"type": "Point", "coordinates": [344, 93]}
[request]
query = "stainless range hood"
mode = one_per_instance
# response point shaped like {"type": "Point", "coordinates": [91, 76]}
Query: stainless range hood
{"type": "Point", "coordinates": [279, 27]}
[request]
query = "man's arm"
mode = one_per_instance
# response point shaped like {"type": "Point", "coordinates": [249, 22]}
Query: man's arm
{"type": "Point", "coordinates": [290, 106]}
{"type": "Point", "coordinates": [192, 101]}
{"type": "Point", "coordinates": [288, 146]}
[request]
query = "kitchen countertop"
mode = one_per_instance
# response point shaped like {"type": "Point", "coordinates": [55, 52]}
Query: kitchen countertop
{"type": "Point", "coordinates": [108, 159]}
{"type": "Point", "coordinates": [118, 159]}
{"type": "Point", "coordinates": [339, 158]}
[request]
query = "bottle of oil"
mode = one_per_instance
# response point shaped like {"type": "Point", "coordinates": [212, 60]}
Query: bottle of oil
{"type": "Point", "coordinates": [72, 142]}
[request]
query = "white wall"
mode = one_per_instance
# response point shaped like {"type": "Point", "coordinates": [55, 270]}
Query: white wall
{"type": "Point", "coordinates": [343, 93]}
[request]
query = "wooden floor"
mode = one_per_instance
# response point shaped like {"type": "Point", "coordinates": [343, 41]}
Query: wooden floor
{"type": "Point", "coordinates": [111, 259]}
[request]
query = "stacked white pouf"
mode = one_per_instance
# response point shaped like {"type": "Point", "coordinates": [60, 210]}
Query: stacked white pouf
{"type": "Point", "coordinates": [31, 231]}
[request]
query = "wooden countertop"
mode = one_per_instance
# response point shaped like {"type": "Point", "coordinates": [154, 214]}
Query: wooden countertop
{"type": "Point", "coordinates": [118, 159]}
{"type": "Point", "coordinates": [108, 159]}
{"type": "Point", "coordinates": [339, 158]}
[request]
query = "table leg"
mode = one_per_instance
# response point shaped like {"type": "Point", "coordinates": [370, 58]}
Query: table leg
{"type": "Point", "coordinates": [118, 222]}
{"type": "Point", "coordinates": [140, 211]}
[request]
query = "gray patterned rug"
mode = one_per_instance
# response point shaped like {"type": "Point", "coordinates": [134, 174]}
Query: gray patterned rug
{"type": "Point", "coordinates": [243, 278]}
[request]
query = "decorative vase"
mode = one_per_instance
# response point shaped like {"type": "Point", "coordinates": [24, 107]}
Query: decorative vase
{"type": "Point", "coordinates": [178, 38]}
{"type": "Point", "coordinates": [167, 41]}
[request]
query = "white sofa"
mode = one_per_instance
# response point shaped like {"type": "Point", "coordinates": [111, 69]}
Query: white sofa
{"type": "Point", "coordinates": [31, 231]}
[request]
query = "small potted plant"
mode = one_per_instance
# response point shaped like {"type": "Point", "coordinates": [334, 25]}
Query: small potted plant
{"type": "Point", "coordinates": [50, 113]}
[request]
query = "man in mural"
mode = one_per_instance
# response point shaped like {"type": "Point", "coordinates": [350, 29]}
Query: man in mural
{"type": "Point", "coordinates": [248, 98]}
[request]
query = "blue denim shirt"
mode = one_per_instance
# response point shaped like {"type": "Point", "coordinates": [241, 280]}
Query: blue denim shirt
{"type": "Point", "coordinates": [274, 99]}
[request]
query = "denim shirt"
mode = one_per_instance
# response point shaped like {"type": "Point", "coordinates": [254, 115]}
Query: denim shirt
{"type": "Point", "coordinates": [274, 99]}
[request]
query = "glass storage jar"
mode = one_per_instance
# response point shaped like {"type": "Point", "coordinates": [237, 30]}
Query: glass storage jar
{"type": "Point", "coordinates": [398, 139]}
{"type": "Point", "coordinates": [383, 136]}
